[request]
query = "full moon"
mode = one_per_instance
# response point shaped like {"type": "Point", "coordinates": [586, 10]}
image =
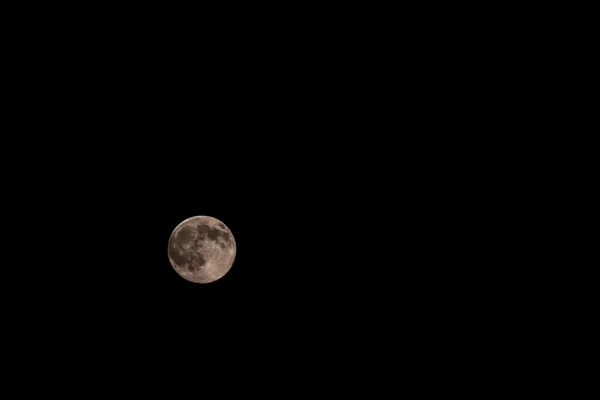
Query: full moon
{"type": "Point", "coordinates": [201, 249]}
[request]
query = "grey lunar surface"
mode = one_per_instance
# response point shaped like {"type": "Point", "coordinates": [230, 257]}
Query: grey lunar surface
{"type": "Point", "coordinates": [202, 249]}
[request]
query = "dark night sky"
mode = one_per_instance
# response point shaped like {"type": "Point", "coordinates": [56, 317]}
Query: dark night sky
{"type": "Point", "coordinates": [336, 174]}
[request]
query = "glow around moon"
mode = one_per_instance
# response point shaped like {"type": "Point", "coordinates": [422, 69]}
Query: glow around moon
{"type": "Point", "coordinates": [202, 249]}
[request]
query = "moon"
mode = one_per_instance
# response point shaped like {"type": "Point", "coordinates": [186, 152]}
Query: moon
{"type": "Point", "coordinates": [202, 249]}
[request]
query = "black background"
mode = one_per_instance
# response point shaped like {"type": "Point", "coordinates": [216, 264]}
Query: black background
{"type": "Point", "coordinates": [346, 169]}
